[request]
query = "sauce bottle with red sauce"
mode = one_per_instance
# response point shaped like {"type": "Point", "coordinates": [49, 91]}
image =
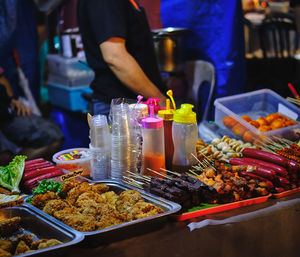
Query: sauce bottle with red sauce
{"type": "Point", "coordinates": [153, 145]}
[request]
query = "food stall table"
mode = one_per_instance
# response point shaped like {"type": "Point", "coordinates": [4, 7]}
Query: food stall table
{"type": "Point", "coordinates": [267, 229]}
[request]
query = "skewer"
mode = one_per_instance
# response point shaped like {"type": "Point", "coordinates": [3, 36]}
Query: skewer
{"type": "Point", "coordinates": [132, 183]}
{"type": "Point", "coordinates": [193, 173]}
{"type": "Point", "coordinates": [160, 174]}
{"type": "Point", "coordinates": [293, 100]}
{"type": "Point", "coordinates": [148, 179]}
{"type": "Point", "coordinates": [172, 172]}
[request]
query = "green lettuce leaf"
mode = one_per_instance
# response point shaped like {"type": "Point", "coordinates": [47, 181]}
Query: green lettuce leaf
{"type": "Point", "coordinates": [11, 175]}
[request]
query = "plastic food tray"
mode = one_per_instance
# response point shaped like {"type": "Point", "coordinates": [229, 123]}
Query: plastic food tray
{"type": "Point", "coordinates": [286, 193]}
{"type": "Point", "coordinates": [255, 104]}
{"type": "Point", "coordinates": [220, 208]}
{"type": "Point", "coordinates": [41, 227]}
{"type": "Point", "coordinates": [127, 229]}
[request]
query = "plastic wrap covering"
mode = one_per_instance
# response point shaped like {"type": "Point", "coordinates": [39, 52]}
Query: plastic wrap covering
{"type": "Point", "coordinates": [215, 35]}
{"type": "Point", "coordinates": [8, 19]}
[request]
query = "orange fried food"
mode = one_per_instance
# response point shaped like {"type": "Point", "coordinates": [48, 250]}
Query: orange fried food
{"type": "Point", "coordinates": [262, 121]}
{"type": "Point", "coordinates": [67, 186]}
{"type": "Point", "coordinates": [40, 201]}
{"type": "Point", "coordinates": [100, 188]}
{"type": "Point", "coordinates": [264, 128]}
{"type": "Point", "coordinates": [278, 123]}
{"type": "Point", "coordinates": [22, 247]}
{"type": "Point", "coordinates": [248, 136]}
{"type": "Point", "coordinates": [239, 130]}
{"type": "Point", "coordinates": [8, 226]}
{"type": "Point", "coordinates": [126, 200]}
{"type": "Point", "coordinates": [271, 117]}
{"type": "Point", "coordinates": [229, 122]}
{"type": "Point", "coordinates": [4, 253]}
{"type": "Point", "coordinates": [75, 192]}
{"type": "Point", "coordinates": [55, 205]}
{"type": "Point", "coordinates": [290, 123]}
{"type": "Point", "coordinates": [142, 210]}
{"type": "Point", "coordinates": [254, 123]}
{"type": "Point", "coordinates": [26, 238]}
{"type": "Point", "coordinates": [246, 118]}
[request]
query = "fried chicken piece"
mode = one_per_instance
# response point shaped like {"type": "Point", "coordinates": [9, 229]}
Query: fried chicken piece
{"type": "Point", "coordinates": [61, 214]}
{"type": "Point", "coordinates": [49, 243]}
{"type": "Point", "coordinates": [5, 245]}
{"type": "Point", "coordinates": [67, 186]}
{"type": "Point", "coordinates": [4, 253]}
{"type": "Point", "coordinates": [89, 195]}
{"type": "Point", "coordinates": [126, 200]}
{"type": "Point", "coordinates": [109, 198]}
{"type": "Point", "coordinates": [40, 201]}
{"type": "Point", "coordinates": [55, 205]}
{"type": "Point", "coordinates": [100, 188]}
{"type": "Point", "coordinates": [75, 192]}
{"type": "Point", "coordinates": [142, 210]}
{"type": "Point", "coordinates": [80, 222]}
{"type": "Point", "coordinates": [8, 226]}
{"type": "Point", "coordinates": [22, 247]}
{"type": "Point", "coordinates": [26, 238]}
{"type": "Point", "coordinates": [110, 217]}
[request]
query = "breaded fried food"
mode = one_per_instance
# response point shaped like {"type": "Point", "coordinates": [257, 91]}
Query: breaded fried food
{"type": "Point", "coordinates": [8, 226]}
{"type": "Point", "coordinates": [126, 200]}
{"type": "Point", "coordinates": [75, 192]}
{"type": "Point", "coordinates": [22, 247]}
{"type": "Point", "coordinates": [100, 188]}
{"type": "Point", "coordinates": [109, 198]}
{"type": "Point", "coordinates": [110, 217]}
{"type": "Point", "coordinates": [67, 186]}
{"type": "Point", "coordinates": [49, 243]}
{"type": "Point", "coordinates": [4, 253]}
{"type": "Point", "coordinates": [6, 245]}
{"type": "Point", "coordinates": [35, 245]}
{"type": "Point", "coordinates": [40, 201]}
{"type": "Point", "coordinates": [80, 222]}
{"type": "Point", "coordinates": [143, 209]}
{"type": "Point", "coordinates": [26, 238]}
{"type": "Point", "coordinates": [55, 205]}
{"type": "Point", "coordinates": [89, 195]}
{"type": "Point", "coordinates": [61, 214]}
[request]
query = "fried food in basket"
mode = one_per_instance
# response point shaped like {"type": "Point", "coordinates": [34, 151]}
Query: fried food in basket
{"type": "Point", "coordinates": [89, 208]}
{"type": "Point", "coordinates": [4, 253]}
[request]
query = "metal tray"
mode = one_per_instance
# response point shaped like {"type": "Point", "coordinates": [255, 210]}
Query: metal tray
{"type": "Point", "coordinates": [32, 222]}
{"type": "Point", "coordinates": [127, 229]}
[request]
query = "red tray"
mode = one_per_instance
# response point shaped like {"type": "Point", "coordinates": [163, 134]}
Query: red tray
{"type": "Point", "coordinates": [220, 208]}
{"type": "Point", "coordinates": [286, 193]}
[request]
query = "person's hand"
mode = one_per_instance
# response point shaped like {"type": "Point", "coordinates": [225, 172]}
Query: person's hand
{"type": "Point", "coordinates": [20, 108]}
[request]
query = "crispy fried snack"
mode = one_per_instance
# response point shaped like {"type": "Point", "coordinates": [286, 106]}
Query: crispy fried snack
{"type": "Point", "coordinates": [8, 226]}
{"type": "Point", "coordinates": [22, 247]}
{"type": "Point", "coordinates": [100, 188]}
{"type": "Point", "coordinates": [142, 210]}
{"type": "Point", "coordinates": [5, 245]}
{"type": "Point", "coordinates": [4, 253]}
{"type": "Point", "coordinates": [110, 217]}
{"type": "Point", "coordinates": [55, 205]}
{"type": "Point", "coordinates": [109, 198]}
{"type": "Point", "coordinates": [40, 201]}
{"type": "Point", "coordinates": [67, 186]}
{"type": "Point", "coordinates": [49, 243]}
{"type": "Point", "coordinates": [126, 200]}
{"type": "Point", "coordinates": [26, 238]}
{"type": "Point", "coordinates": [75, 192]}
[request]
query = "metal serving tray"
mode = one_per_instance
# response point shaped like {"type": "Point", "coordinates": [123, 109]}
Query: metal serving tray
{"type": "Point", "coordinates": [127, 229]}
{"type": "Point", "coordinates": [32, 222]}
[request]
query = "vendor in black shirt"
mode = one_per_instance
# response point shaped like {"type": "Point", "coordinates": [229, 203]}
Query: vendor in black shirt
{"type": "Point", "coordinates": [125, 65]}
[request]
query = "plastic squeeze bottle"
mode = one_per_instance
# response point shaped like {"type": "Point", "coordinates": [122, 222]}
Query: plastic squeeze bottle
{"type": "Point", "coordinates": [167, 116]}
{"type": "Point", "coordinates": [185, 134]}
{"type": "Point", "coordinates": [153, 145]}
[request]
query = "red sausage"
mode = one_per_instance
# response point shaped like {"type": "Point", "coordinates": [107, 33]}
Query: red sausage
{"type": "Point", "coordinates": [265, 156]}
{"type": "Point", "coordinates": [261, 171]}
{"type": "Point", "coordinates": [279, 170]}
{"type": "Point", "coordinates": [293, 166]}
{"type": "Point", "coordinates": [34, 161]}
{"type": "Point", "coordinates": [283, 182]}
{"type": "Point", "coordinates": [51, 174]}
{"type": "Point", "coordinates": [268, 182]}
{"type": "Point", "coordinates": [35, 173]}
{"type": "Point", "coordinates": [279, 189]}
{"type": "Point", "coordinates": [38, 166]}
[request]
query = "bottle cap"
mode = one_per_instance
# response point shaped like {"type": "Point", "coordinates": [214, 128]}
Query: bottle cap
{"type": "Point", "coordinates": [153, 101]}
{"type": "Point", "coordinates": [152, 122]}
{"type": "Point", "coordinates": [185, 114]}
{"type": "Point", "coordinates": [168, 113]}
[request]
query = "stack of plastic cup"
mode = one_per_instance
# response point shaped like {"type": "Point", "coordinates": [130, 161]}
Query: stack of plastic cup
{"type": "Point", "coordinates": [123, 156]}
{"type": "Point", "coordinates": [100, 148]}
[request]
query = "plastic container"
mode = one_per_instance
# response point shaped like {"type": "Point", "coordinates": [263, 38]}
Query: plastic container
{"type": "Point", "coordinates": [167, 116]}
{"type": "Point", "coordinates": [153, 145]}
{"type": "Point", "coordinates": [68, 67]}
{"type": "Point", "coordinates": [71, 81]}
{"type": "Point", "coordinates": [74, 159]}
{"type": "Point", "coordinates": [67, 97]}
{"type": "Point", "coordinates": [185, 134]}
{"type": "Point", "coordinates": [255, 104]}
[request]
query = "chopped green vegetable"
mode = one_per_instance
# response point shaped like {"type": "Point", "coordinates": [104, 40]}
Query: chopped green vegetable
{"type": "Point", "coordinates": [11, 175]}
{"type": "Point", "coordinates": [45, 186]}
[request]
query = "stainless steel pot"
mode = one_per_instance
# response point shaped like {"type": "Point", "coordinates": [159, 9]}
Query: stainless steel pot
{"type": "Point", "coordinates": [167, 43]}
